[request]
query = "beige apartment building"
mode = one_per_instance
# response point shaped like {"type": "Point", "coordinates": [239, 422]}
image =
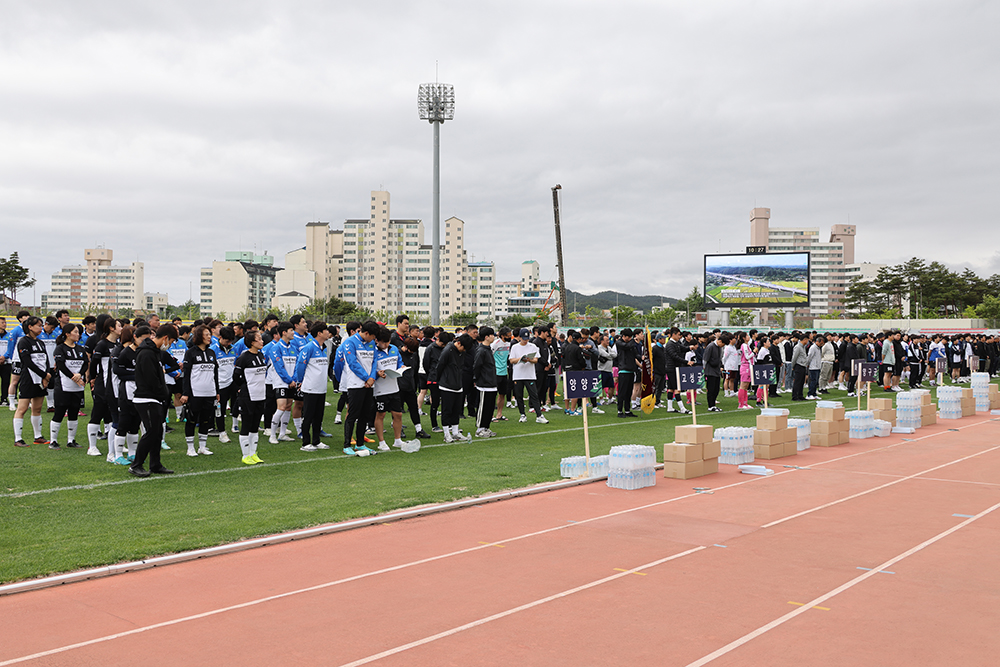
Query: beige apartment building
{"type": "Point", "coordinates": [242, 284]}
{"type": "Point", "coordinates": [829, 260]}
{"type": "Point", "coordinates": [98, 283]}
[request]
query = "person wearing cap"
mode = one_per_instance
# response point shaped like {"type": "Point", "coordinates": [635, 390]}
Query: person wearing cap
{"type": "Point", "coordinates": [523, 359]}
{"type": "Point", "coordinates": [628, 367]}
{"type": "Point", "coordinates": [659, 361]}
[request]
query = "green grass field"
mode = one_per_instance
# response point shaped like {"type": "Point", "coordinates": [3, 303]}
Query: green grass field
{"type": "Point", "coordinates": [64, 510]}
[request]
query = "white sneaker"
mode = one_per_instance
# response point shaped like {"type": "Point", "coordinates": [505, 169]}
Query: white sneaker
{"type": "Point", "coordinates": [596, 411]}
{"type": "Point", "coordinates": [812, 398]}
{"type": "Point", "coordinates": [326, 404]}
{"type": "Point", "coordinates": [285, 438]}
{"type": "Point", "coordinates": [684, 411]}
{"type": "Point", "coordinates": [540, 420]}
{"type": "Point", "coordinates": [382, 447]}
{"type": "Point", "coordinates": [205, 451]}
{"type": "Point", "coordinates": [670, 407]}
{"type": "Point", "coordinates": [321, 445]}
{"type": "Point", "coordinates": [467, 437]}
{"type": "Point", "coordinates": [897, 388]}
{"type": "Point", "coordinates": [522, 419]}
{"type": "Point", "coordinates": [336, 420]}
{"type": "Point", "coordinates": [192, 453]}
{"type": "Point", "coordinates": [110, 459]}
{"type": "Point", "coordinates": [223, 437]}
{"type": "Point", "coordinates": [842, 386]}
{"type": "Point", "coordinates": [307, 448]}
{"type": "Point", "coordinates": [273, 440]}
{"type": "Point", "coordinates": [267, 431]}
{"type": "Point", "coordinates": [448, 438]}
{"type": "Point", "coordinates": [93, 451]}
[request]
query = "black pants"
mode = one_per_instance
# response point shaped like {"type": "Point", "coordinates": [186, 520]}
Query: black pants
{"type": "Point", "coordinates": [551, 382]}
{"type": "Point", "coordinates": [626, 380]}
{"type": "Point", "coordinates": [226, 395]}
{"type": "Point", "coordinates": [128, 418]}
{"type": "Point", "coordinates": [487, 403]}
{"type": "Point", "coordinates": [813, 381]}
{"type": "Point", "coordinates": [451, 407]}
{"type": "Point", "coordinates": [435, 402]}
{"type": "Point", "coordinates": [250, 414]}
{"type": "Point", "coordinates": [519, 387]}
{"type": "Point", "coordinates": [313, 406]}
{"type": "Point", "coordinates": [798, 381]}
{"type": "Point", "coordinates": [67, 403]}
{"type": "Point", "coordinates": [916, 374]}
{"type": "Point", "coordinates": [471, 395]}
{"type": "Point", "coordinates": [360, 411]}
{"type": "Point", "coordinates": [4, 380]}
{"type": "Point", "coordinates": [659, 383]}
{"type": "Point", "coordinates": [712, 389]}
{"type": "Point", "coordinates": [199, 412]}
{"type": "Point", "coordinates": [270, 403]}
{"type": "Point", "coordinates": [852, 384]}
{"type": "Point", "coordinates": [152, 416]}
{"type": "Point", "coordinates": [410, 403]}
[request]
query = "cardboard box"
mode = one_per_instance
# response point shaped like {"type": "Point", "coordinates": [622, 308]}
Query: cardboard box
{"type": "Point", "coordinates": [928, 410]}
{"type": "Point", "coordinates": [845, 437]}
{"type": "Point", "coordinates": [928, 420]}
{"type": "Point", "coordinates": [684, 470]}
{"type": "Point", "coordinates": [885, 415]}
{"type": "Point", "coordinates": [967, 392]}
{"type": "Point", "coordinates": [694, 435]}
{"type": "Point", "coordinates": [845, 425]}
{"type": "Point", "coordinates": [830, 414]}
{"type": "Point", "coordinates": [925, 399]}
{"type": "Point", "coordinates": [825, 427]}
{"type": "Point", "coordinates": [994, 389]}
{"type": "Point", "coordinates": [772, 422]}
{"type": "Point", "coordinates": [682, 453]}
{"type": "Point", "coordinates": [774, 437]}
{"type": "Point", "coordinates": [824, 439]}
{"type": "Point", "coordinates": [880, 404]}
{"type": "Point", "coordinates": [968, 410]}
{"type": "Point", "coordinates": [994, 401]}
{"type": "Point", "coordinates": [710, 466]}
{"type": "Point", "coordinates": [712, 450]}
{"type": "Point", "coordinates": [768, 452]}
{"type": "Point", "coordinates": [792, 448]}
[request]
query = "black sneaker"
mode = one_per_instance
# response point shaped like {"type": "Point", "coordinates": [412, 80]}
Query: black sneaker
{"type": "Point", "coordinates": [53, 445]}
{"type": "Point", "coordinates": [161, 471]}
{"type": "Point", "coordinates": [138, 471]}
{"type": "Point", "coordinates": [73, 444]}
{"type": "Point", "coordinates": [21, 443]}
{"type": "Point", "coordinates": [621, 415]}
{"type": "Point", "coordinates": [423, 434]}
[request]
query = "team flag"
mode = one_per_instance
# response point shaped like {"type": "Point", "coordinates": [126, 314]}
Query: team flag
{"type": "Point", "coordinates": [647, 399]}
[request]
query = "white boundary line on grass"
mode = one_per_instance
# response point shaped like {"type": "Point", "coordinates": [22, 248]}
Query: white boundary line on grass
{"type": "Point", "coordinates": [535, 603]}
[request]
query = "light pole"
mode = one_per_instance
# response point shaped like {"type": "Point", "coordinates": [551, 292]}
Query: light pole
{"type": "Point", "coordinates": [559, 255]}
{"type": "Point", "coordinates": [436, 104]}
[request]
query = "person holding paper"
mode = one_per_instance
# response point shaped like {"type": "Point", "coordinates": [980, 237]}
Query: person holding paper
{"type": "Point", "coordinates": [386, 389]}
{"type": "Point", "coordinates": [523, 359]}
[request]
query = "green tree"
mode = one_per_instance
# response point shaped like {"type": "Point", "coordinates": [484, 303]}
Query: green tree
{"type": "Point", "coordinates": [622, 315]}
{"type": "Point", "coordinates": [989, 309]}
{"type": "Point", "coordinates": [462, 319]}
{"type": "Point", "coordinates": [740, 318]}
{"type": "Point", "coordinates": [662, 318]}
{"type": "Point", "coordinates": [516, 322]}
{"type": "Point", "coordinates": [691, 304]}
{"type": "Point", "coordinates": [13, 277]}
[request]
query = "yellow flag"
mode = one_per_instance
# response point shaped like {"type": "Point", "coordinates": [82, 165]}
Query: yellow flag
{"type": "Point", "coordinates": [647, 398]}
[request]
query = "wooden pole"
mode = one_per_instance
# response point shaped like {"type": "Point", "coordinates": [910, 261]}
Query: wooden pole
{"type": "Point", "coordinates": [586, 433]}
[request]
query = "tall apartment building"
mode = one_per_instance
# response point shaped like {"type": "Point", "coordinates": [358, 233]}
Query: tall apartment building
{"type": "Point", "coordinates": [242, 283]}
{"type": "Point", "coordinates": [383, 264]}
{"type": "Point", "coordinates": [481, 286]}
{"type": "Point", "coordinates": [827, 278]}
{"type": "Point", "coordinates": [97, 283]}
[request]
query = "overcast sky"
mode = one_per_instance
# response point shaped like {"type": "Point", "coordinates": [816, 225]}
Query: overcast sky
{"type": "Point", "coordinates": [174, 131]}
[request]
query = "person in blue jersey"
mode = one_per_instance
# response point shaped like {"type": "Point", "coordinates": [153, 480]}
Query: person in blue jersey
{"type": "Point", "coordinates": [281, 357]}
{"type": "Point", "coordinates": [4, 361]}
{"type": "Point", "coordinates": [311, 375]}
{"type": "Point", "coordinates": [50, 331]}
{"type": "Point", "coordinates": [225, 357]}
{"type": "Point", "coordinates": [385, 391]}
{"type": "Point", "coordinates": [89, 329]}
{"type": "Point", "coordinates": [15, 362]}
{"type": "Point", "coordinates": [34, 379]}
{"type": "Point", "coordinates": [337, 361]}
{"type": "Point", "coordinates": [201, 389]}
{"type": "Point", "coordinates": [357, 377]}
{"type": "Point", "coordinates": [250, 376]}
{"type": "Point", "coordinates": [175, 382]}
{"type": "Point", "coordinates": [70, 379]}
{"type": "Point", "coordinates": [300, 328]}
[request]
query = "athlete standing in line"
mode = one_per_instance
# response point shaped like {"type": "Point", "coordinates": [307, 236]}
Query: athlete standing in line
{"type": "Point", "coordinates": [33, 380]}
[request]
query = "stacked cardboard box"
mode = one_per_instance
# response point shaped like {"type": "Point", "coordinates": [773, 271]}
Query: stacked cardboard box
{"type": "Point", "coordinates": [830, 428]}
{"type": "Point", "coordinates": [968, 402]}
{"type": "Point", "coordinates": [773, 439]}
{"type": "Point", "coordinates": [882, 409]}
{"type": "Point", "coordinates": [928, 411]}
{"type": "Point", "coordinates": [994, 396]}
{"type": "Point", "coordinates": [693, 454]}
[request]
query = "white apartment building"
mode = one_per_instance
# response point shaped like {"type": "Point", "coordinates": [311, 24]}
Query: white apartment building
{"type": "Point", "coordinates": [156, 302]}
{"type": "Point", "coordinates": [242, 283]}
{"type": "Point", "coordinates": [828, 261]}
{"type": "Point", "coordinates": [480, 290]}
{"type": "Point", "coordinates": [503, 292]}
{"type": "Point", "coordinates": [383, 264]}
{"type": "Point", "coordinates": [97, 283]}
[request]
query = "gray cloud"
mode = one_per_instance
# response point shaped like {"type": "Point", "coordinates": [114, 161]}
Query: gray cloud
{"type": "Point", "coordinates": [174, 132]}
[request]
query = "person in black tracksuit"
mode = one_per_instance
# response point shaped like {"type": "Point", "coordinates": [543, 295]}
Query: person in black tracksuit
{"type": "Point", "coordinates": [151, 397]}
{"type": "Point", "coordinates": [572, 360]}
{"type": "Point", "coordinates": [659, 363]}
{"type": "Point", "coordinates": [484, 377]}
{"type": "Point", "coordinates": [628, 368]}
{"type": "Point", "coordinates": [431, 358]}
{"type": "Point", "coordinates": [676, 358]}
{"type": "Point", "coordinates": [407, 382]}
{"type": "Point", "coordinates": [542, 366]}
{"type": "Point", "coordinates": [449, 378]}
{"type": "Point", "coordinates": [468, 386]}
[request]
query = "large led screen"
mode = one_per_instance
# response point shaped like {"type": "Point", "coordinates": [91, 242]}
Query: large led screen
{"type": "Point", "coordinates": [764, 280]}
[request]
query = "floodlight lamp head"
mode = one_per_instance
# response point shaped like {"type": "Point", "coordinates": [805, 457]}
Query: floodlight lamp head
{"type": "Point", "coordinates": [436, 102]}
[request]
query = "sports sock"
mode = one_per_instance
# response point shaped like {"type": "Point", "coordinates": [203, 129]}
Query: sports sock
{"type": "Point", "coordinates": [132, 439]}
{"type": "Point", "coordinates": [18, 428]}
{"type": "Point", "coordinates": [190, 443]}
{"type": "Point", "coordinates": [245, 445]}
{"type": "Point", "coordinates": [36, 425]}
{"type": "Point", "coordinates": [276, 423]}
{"type": "Point", "coordinates": [202, 441]}
{"type": "Point", "coordinates": [253, 443]}
{"type": "Point", "coordinates": [92, 431]}
{"type": "Point", "coordinates": [119, 445]}
{"type": "Point", "coordinates": [71, 430]}
{"type": "Point", "coordinates": [297, 421]}
{"type": "Point", "coordinates": [54, 430]}
{"type": "Point", "coordinates": [285, 416]}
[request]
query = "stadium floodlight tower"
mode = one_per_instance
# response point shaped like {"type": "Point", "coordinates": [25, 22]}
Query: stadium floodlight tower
{"type": "Point", "coordinates": [436, 103]}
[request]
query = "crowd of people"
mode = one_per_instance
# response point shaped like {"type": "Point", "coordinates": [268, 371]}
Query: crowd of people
{"type": "Point", "coordinates": [276, 374]}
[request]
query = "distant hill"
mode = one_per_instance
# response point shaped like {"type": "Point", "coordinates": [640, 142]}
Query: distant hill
{"type": "Point", "coordinates": [608, 299]}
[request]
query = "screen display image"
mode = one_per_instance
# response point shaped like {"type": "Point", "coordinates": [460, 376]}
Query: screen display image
{"type": "Point", "coordinates": [772, 279]}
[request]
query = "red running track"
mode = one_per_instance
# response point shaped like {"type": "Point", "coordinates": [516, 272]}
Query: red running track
{"type": "Point", "coordinates": [882, 552]}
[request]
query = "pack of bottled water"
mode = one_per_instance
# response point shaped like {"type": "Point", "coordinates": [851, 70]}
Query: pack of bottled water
{"type": "Point", "coordinates": [599, 466]}
{"type": "Point", "coordinates": [862, 424]}
{"type": "Point", "coordinates": [981, 391]}
{"type": "Point", "coordinates": [737, 445]}
{"type": "Point", "coordinates": [881, 428]}
{"type": "Point", "coordinates": [774, 412]}
{"type": "Point", "coordinates": [630, 480]}
{"type": "Point", "coordinates": [573, 466]}
{"type": "Point", "coordinates": [908, 409]}
{"type": "Point", "coordinates": [410, 446]}
{"type": "Point", "coordinates": [803, 429]}
{"type": "Point", "coordinates": [829, 404]}
{"type": "Point", "coordinates": [631, 467]}
{"type": "Point", "coordinates": [949, 402]}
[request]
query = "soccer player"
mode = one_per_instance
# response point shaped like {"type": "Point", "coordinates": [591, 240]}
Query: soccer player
{"type": "Point", "coordinates": [357, 377]}
{"type": "Point", "coordinates": [386, 388]}
{"type": "Point", "coordinates": [201, 389]}
{"type": "Point", "coordinates": [225, 357]}
{"type": "Point", "coordinates": [311, 375]}
{"type": "Point", "coordinates": [250, 376]}
{"type": "Point", "coordinates": [151, 396]}
{"type": "Point", "coordinates": [71, 369]}
{"type": "Point", "coordinates": [281, 369]}
{"type": "Point", "coordinates": [33, 380]}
